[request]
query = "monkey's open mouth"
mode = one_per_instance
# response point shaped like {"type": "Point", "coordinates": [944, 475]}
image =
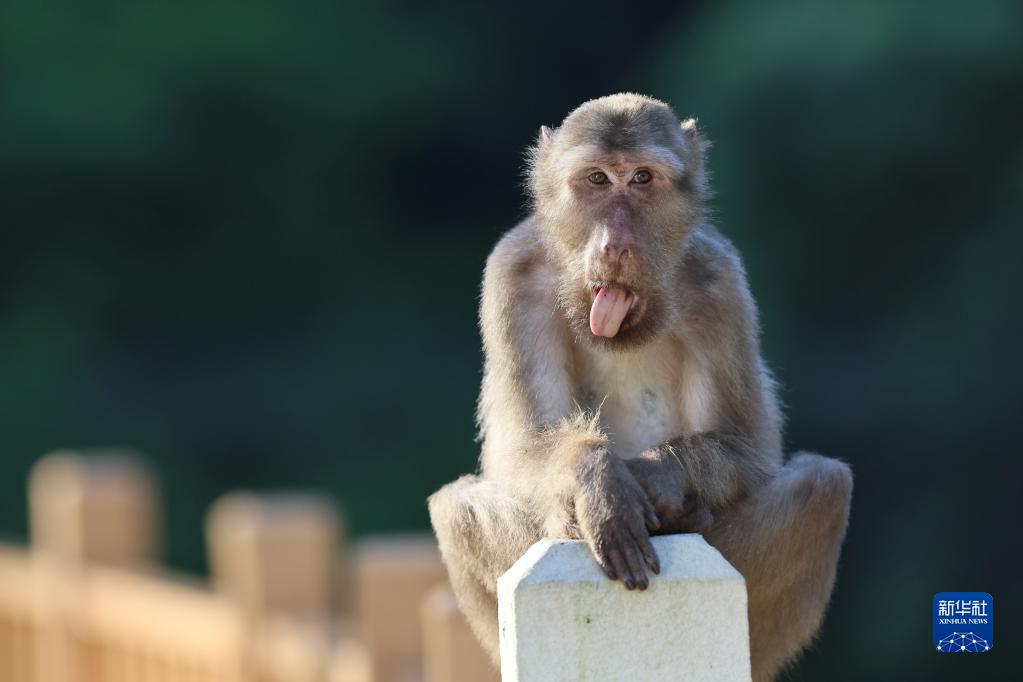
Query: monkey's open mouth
{"type": "Point", "coordinates": [611, 303]}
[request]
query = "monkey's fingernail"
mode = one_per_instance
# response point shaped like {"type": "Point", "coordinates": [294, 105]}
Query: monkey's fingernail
{"type": "Point", "coordinates": [643, 584]}
{"type": "Point", "coordinates": [610, 574]}
{"type": "Point", "coordinates": [630, 584]}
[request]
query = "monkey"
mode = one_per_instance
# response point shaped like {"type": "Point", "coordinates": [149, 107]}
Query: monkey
{"type": "Point", "coordinates": [624, 394]}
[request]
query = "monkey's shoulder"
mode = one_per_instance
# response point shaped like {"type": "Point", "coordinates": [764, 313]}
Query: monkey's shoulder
{"type": "Point", "coordinates": [518, 257]}
{"type": "Point", "coordinates": [518, 245]}
{"type": "Point", "coordinates": [712, 285]}
{"type": "Point", "coordinates": [710, 255]}
{"type": "Point", "coordinates": [518, 277]}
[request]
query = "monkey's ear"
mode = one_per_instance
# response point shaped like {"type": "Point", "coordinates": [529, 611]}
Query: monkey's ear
{"type": "Point", "coordinates": [545, 137]}
{"type": "Point", "coordinates": [694, 135]}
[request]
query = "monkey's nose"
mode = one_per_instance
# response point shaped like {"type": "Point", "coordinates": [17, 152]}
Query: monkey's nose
{"type": "Point", "coordinates": [616, 254]}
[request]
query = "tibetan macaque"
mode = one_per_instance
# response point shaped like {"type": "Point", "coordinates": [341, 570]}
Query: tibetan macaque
{"type": "Point", "coordinates": [623, 390]}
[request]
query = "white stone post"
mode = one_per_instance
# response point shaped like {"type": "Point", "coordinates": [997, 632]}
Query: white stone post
{"type": "Point", "coordinates": [561, 618]}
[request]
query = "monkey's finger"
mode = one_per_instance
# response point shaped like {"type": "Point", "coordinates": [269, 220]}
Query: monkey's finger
{"type": "Point", "coordinates": [621, 568]}
{"type": "Point", "coordinates": [648, 511]}
{"type": "Point", "coordinates": [632, 558]}
{"type": "Point", "coordinates": [647, 504]}
{"type": "Point", "coordinates": [649, 553]}
{"type": "Point", "coordinates": [605, 565]}
{"type": "Point", "coordinates": [652, 522]}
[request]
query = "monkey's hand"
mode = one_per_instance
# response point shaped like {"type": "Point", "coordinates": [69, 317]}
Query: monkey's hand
{"type": "Point", "coordinates": [660, 475]}
{"type": "Point", "coordinates": [615, 518]}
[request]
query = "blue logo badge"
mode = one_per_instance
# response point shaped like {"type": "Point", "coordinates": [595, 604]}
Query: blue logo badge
{"type": "Point", "coordinates": [964, 622]}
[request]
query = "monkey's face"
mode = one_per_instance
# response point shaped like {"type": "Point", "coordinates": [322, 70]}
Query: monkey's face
{"type": "Point", "coordinates": [629, 235]}
{"type": "Point", "coordinates": [617, 189]}
{"type": "Point", "coordinates": [618, 234]}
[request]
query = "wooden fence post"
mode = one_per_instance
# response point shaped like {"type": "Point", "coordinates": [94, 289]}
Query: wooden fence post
{"type": "Point", "coordinates": [392, 575]}
{"type": "Point", "coordinates": [276, 554]}
{"type": "Point", "coordinates": [451, 652]}
{"type": "Point", "coordinates": [99, 508]}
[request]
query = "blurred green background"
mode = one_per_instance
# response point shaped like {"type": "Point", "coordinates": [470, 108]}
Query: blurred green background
{"type": "Point", "coordinates": [246, 238]}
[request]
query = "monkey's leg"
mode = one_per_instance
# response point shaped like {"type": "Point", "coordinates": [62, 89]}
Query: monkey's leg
{"type": "Point", "coordinates": [482, 531]}
{"type": "Point", "coordinates": [785, 540]}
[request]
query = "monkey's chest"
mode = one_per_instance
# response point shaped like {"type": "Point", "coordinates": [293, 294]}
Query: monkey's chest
{"type": "Point", "coordinates": [637, 398]}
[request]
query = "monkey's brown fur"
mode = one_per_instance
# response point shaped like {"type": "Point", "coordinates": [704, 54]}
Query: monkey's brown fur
{"type": "Point", "coordinates": [670, 425]}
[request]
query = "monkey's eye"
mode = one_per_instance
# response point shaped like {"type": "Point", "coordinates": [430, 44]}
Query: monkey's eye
{"type": "Point", "coordinates": [642, 177]}
{"type": "Point", "coordinates": [598, 178]}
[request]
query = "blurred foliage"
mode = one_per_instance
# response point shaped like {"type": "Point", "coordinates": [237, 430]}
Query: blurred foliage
{"type": "Point", "coordinates": [246, 239]}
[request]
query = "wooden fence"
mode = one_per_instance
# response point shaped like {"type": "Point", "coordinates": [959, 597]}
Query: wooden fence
{"type": "Point", "coordinates": [288, 601]}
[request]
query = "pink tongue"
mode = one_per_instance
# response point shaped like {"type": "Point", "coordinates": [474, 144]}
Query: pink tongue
{"type": "Point", "coordinates": [610, 306]}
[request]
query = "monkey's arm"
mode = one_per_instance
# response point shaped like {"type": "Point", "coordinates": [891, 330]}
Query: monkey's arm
{"type": "Point", "coordinates": [716, 468]}
{"type": "Point", "coordinates": [735, 443]}
{"type": "Point", "coordinates": [525, 404]}
{"type": "Point", "coordinates": [536, 441]}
